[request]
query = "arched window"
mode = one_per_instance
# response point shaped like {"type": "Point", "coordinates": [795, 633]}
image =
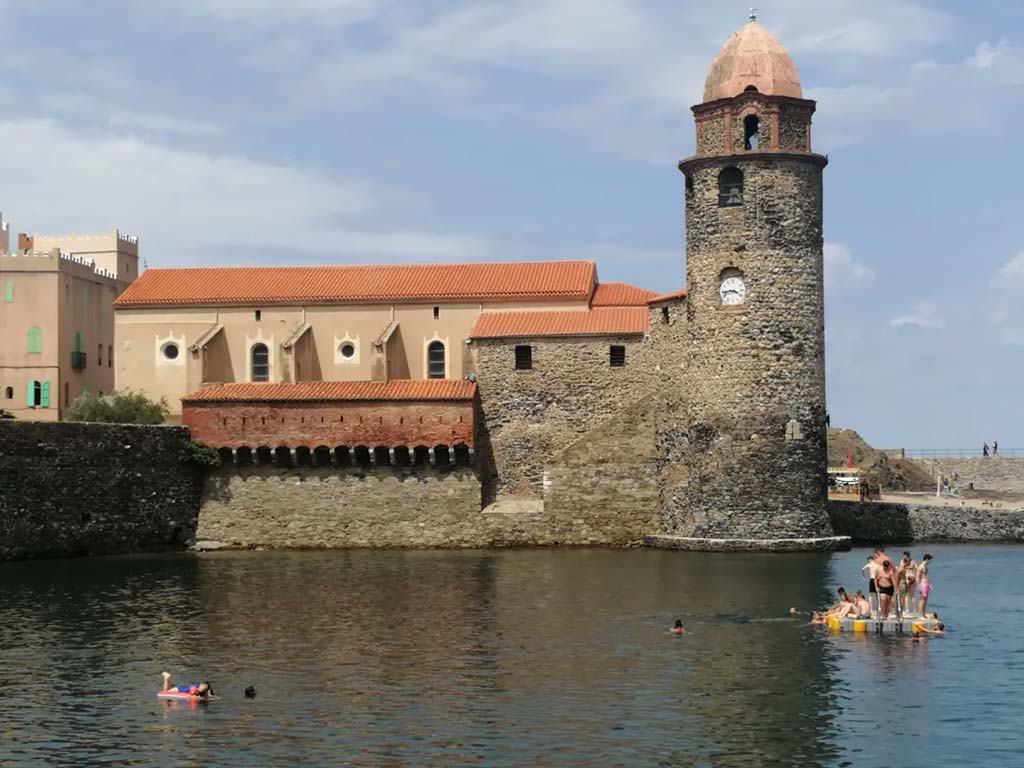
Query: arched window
{"type": "Point", "coordinates": [260, 362]}
{"type": "Point", "coordinates": [99, 355]}
{"type": "Point", "coordinates": [689, 187]}
{"type": "Point", "coordinates": [730, 187]}
{"type": "Point", "coordinates": [751, 125]}
{"type": "Point", "coordinates": [435, 360]}
{"type": "Point", "coordinates": [110, 356]}
{"type": "Point", "coordinates": [35, 339]}
{"type": "Point", "coordinates": [9, 393]}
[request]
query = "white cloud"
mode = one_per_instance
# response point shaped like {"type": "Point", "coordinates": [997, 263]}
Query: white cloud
{"type": "Point", "coordinates": [197, 206]}
{"type": "Point", "coordinates": [1006, 310]}
{"type": "Point", "coordinates": [924, 315]}
{"type": "Point", "coordinates": [843, 271]}
{"type": "Point", "coordinates": [986, 54]}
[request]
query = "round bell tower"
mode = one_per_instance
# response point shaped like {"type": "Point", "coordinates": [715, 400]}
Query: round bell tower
{"type": "Point", "coordinates": [755, 379]}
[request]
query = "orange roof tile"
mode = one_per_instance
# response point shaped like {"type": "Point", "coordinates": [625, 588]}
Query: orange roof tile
{"type": "Point", "coordinates": [517, 281]}
{"type": "Point", "coordinates": [609, 321]}
{"type": "Point", "coordinates": [404, 389]}
{"type": "Point", "coordinates": [674, 296]}
{"type": "Point", "coordinates": [620, 295]}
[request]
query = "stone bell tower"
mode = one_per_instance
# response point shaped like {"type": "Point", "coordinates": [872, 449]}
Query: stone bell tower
{"type": "Point", "coordinates": [754, 272]}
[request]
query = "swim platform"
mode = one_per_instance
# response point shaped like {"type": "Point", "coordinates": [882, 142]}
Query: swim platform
{"type": "Point", "coordinates": [892, 626]}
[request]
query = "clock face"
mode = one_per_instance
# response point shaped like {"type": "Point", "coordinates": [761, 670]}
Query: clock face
{"type": "Point", "coordinates": [732, 290]}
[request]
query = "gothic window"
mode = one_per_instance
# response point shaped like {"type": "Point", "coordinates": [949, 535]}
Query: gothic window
{"type": "Point", "coordinates": [617, 356]}
{"type": "Point", "coordinates": [260, 362]}
{"type": "Point", "coordinates": [751, 125]}
{"type": "Point", "coordinates": [524, 357]}
{"type": "Point", "coordinates": [35, 339]}
{"type": "Point", "coordinates": [730, 187]}
{"type": "Point", "coordinates": [435, 360]}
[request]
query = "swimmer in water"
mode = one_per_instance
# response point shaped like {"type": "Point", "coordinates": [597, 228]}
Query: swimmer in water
{"type": "Point", "coordinates": [197, 690]}
{"type": "Point", "coordinates": [940, 629]}
{"type": "Point", "coordinates": [677, 628]}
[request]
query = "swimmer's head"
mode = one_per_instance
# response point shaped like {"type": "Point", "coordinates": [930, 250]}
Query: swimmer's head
{"type": "Point", "coordinates": [927, 557]}
{"type": "Point", "coordinates": [250, 692]}
{"type": "Point", "coordinates": [941, 626]}
{"type": "Point", "coordinates": [204, 689]}
{"type": "Point", "coordinates": [678, 624]}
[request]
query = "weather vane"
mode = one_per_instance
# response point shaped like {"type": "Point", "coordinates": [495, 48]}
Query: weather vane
{"type": "Point", "coordinates": [753, 14]}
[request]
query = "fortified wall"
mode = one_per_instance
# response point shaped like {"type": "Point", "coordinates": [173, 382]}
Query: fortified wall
{"type": "Point", "coordinates": [81, 489]}
{"type": "Point", "coordinates": [994, 473]}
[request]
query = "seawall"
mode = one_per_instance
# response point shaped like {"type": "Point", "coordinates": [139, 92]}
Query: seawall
{"type": "Point", "coordinates": [882, 522]}
{"type": "Point", "coordinates": [994, 473]}
{"type": "Point", "coordinates": [419, 506]}
{"type": "Point", "coordinates": [94, 489]}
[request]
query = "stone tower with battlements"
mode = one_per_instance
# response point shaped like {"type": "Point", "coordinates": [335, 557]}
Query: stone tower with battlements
{"type": "Point", "coordinates": [755, 375]}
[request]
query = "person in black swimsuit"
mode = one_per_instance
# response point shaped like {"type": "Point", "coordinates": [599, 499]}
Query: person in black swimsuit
{"type": "Point", "coordinates": [885, 580]}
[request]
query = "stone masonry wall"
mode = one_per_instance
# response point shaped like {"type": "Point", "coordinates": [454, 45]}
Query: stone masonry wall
{"type": "Point", "coordinates": [755, 368]}
{"type": "Point", "coordinates": [881, 522]}
{"type": "Point", "coordinates": [528, 417]}
{"type": "Point", "coordinates": [77, 489]}
{"type": "Point", "coordinates": [390, 507]}
{"type": "Point", "coordinates": [995, 473]}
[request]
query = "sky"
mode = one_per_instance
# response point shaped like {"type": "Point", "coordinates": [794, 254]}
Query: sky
{"type": "Point", "coordinates": [226, 132]}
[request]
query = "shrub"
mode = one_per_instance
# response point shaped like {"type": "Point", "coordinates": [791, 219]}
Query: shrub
{"type": "Point", "coordinates": [194, 452]}
{"type": "Point", "coordinates": [118, 408]}
{"type": "Point", "coordinates": [6, 414]}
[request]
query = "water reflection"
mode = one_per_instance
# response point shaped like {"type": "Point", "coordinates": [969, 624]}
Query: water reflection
{"type": "Point", "coordinates": [548, 658]}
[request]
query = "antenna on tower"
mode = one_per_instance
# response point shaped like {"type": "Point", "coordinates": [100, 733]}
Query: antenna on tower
{"type": "Point", "coordinates": [753, 14]}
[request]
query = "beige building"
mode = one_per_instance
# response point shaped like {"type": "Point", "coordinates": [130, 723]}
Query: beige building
{"type": "Point", "coordinates": [57, 318]}
{"type": "Point", "coordinates": [178, 330]}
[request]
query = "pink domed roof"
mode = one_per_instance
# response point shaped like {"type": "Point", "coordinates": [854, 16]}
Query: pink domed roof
{"type": "Point", "coordinates": [752, 57]}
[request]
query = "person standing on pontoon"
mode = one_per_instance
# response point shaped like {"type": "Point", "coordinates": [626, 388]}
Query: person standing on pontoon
{"type": "Point", "coordinates": [924, 583]}
{"type": "Point", "coordinates": [908, 569]}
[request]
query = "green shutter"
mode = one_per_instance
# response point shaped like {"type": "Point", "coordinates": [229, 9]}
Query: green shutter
{"type": "Point", "coordinates": [9, 292]}
{"type": "Point", "coordinates": [30, 397]}
{"type": "Point", "coordinates": [85, 390]}
{"type": "Point", "coordinates": [35, 339]}
{"type": "Point", "coordinates": [45, 401]}
{"type": "Point", "coordinates": [78, 342]}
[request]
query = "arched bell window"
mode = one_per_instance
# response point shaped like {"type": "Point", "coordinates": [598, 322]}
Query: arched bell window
{"type": "Point", "coordinates": [751, 126]}
{"type": "Point", "coordinates": [435, 360]}
{"type": "Point", "coordinates": [730, 187]}
{"type": "Point", "coordinates": [260, 362]}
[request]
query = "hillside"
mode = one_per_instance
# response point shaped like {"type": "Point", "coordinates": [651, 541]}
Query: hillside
{"type": "Point", "coordinates": [892, 474]}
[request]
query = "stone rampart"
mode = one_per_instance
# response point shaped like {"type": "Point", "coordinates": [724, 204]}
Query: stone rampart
{"type": "Point", "coordinates": [78, 489]}
{"type": "Point", "coordinates": [993, 473]}
{"type": "Point", "coordinates": [883, 522]}
{"type": "Point", "coordinates": [396, 507]}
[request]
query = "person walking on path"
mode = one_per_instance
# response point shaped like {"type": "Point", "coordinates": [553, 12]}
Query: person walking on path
{"type": "Point", "coordinates": [984, 450]}
{"type": "Point", "coordinates": [995, 447]}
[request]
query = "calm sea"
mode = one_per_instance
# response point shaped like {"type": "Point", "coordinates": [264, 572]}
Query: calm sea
{"type": "Point", "coordinates": [508, 658]}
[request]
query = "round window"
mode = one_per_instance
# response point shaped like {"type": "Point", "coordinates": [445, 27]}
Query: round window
{"type": "Point", "coordinates": [347, 349]}
{"type": "Point", "coordinates": [171, 351]}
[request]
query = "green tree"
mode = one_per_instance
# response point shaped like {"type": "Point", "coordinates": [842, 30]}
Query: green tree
{"type": "Point", "coordinates": [118, 408]}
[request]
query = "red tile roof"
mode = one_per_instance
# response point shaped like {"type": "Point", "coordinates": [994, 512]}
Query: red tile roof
{"type": "Point", "coordinates": [594, 322]}
{"type": "Point", "coordinates": [542, 280]}
{"type": "Point", "coordinates": [620, 295]}
{"type": "Point", "coordinates": [404, 389]}
{"type": "Point", "coordinates": [674, 296]}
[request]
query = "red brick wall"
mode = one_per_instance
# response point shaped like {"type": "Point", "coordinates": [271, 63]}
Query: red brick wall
{"type": "Point", "coordinates": [293, 425]}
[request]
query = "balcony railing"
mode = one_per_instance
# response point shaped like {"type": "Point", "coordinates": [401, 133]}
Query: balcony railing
{"type": "Point", "coordinates": [78, 360]}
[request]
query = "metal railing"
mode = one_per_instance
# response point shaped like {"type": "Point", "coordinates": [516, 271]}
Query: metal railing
{"type": "Point", "coordinates": [961, 453]}
{"type": "Point", "coordinates": [78, 360]}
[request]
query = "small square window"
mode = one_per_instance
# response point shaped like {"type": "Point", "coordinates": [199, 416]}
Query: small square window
{"type": "Point", "coordinates": [524, 358]}
{"type": "Point", "coordinates": [437, 312]}
{"type": "Point", "coordinates": [665, 317]}
{"type": "Point", "coordinates": [617, 356]}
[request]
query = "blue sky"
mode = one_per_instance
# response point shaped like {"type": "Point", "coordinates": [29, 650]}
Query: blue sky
{"type": "Point", "coordinates": [362, 131]}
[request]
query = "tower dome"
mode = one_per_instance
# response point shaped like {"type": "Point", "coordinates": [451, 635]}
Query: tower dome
{"type": "Point", "coordinates": [752, 58]}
